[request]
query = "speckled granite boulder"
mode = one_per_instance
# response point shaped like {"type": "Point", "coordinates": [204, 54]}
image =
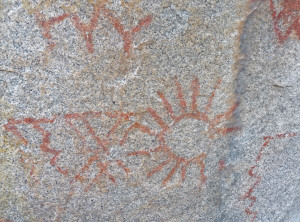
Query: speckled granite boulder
{"type": "Point", "coordinates": [136, 110]}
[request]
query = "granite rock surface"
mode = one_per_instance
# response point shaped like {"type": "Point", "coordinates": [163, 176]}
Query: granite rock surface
{"type": "Point", "coordinates": [137, 110]}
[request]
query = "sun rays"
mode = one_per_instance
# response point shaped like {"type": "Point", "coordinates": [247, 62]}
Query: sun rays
{"type": "Point", "coordinates": [191, 111]}
{"type": "Point", "coordinates": [92, 134]}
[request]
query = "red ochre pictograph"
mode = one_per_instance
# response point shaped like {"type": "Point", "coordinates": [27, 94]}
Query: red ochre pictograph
{"type": "Point", "coordinates": [36, 124]}
{"type": "Point", "coordinates": [286, 20]}
{"type": "Point", "coordinates": [289, 16]}
{"type": "Point", "coordinates": [46, 26]}
{"type": "Point", "coordinates": [180, 163]}
{"type": "Point", "coordinates": [98, 156]}
{"type": "Point", "coordinates": [222, 165]}
{"type": "Point", "coordinates": [29, 163]}
{"type": "Point", "coordinates": [249, 194]}
{"type": "Point", "coordinates": [26, 160]}
{"type": "Point", "coordinates": [88, 29]}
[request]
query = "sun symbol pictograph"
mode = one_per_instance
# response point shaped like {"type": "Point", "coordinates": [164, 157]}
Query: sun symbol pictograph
{"type": "Point", "coordinates": [176, 141]}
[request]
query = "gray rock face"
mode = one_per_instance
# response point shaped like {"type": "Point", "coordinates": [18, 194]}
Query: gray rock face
{"type": "Point", "coordinates": [150, 110]}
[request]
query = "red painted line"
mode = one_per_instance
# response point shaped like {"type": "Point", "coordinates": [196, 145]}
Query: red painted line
{"type": "Point", "coordinates": [249, 194]}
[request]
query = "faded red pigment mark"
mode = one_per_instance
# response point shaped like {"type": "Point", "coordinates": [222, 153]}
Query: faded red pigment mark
{"type": "Point", "coordinates": [47, 25]}
{"type": "Point", "coordinates": [258, 178]}
{"type": "Point", "coordinates": [99, 156]}
{"type": "Point", "coordinates": [5, 220]}
{"type": "Point", "coordinates": [222, 165]}
{"type": "Point", "coordinates": [88, 29]}
{"type": "Point", "coordinates": [63, 172]}
{"type": "Point", "coordinates": [36, 124]}
{"type": "Point", "coordinates": [289, 15]}
{"type": "Point", "coordinates": [25, 160]}
{"type": "Point", "coordinates": [180, 163]}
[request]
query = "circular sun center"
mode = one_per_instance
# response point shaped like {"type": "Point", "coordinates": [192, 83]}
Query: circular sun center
{"type": "Point", "coordinates": [188, 138]}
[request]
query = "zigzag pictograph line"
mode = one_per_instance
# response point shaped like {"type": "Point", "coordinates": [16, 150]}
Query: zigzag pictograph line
{"type": "Point", "coordinates": [85, 132]}
{"type": "Point", "coordinates": [249, 194]}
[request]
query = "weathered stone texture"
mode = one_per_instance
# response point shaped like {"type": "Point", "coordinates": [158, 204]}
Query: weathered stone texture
{"type": "Point", "coordinates": [136, 110]}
